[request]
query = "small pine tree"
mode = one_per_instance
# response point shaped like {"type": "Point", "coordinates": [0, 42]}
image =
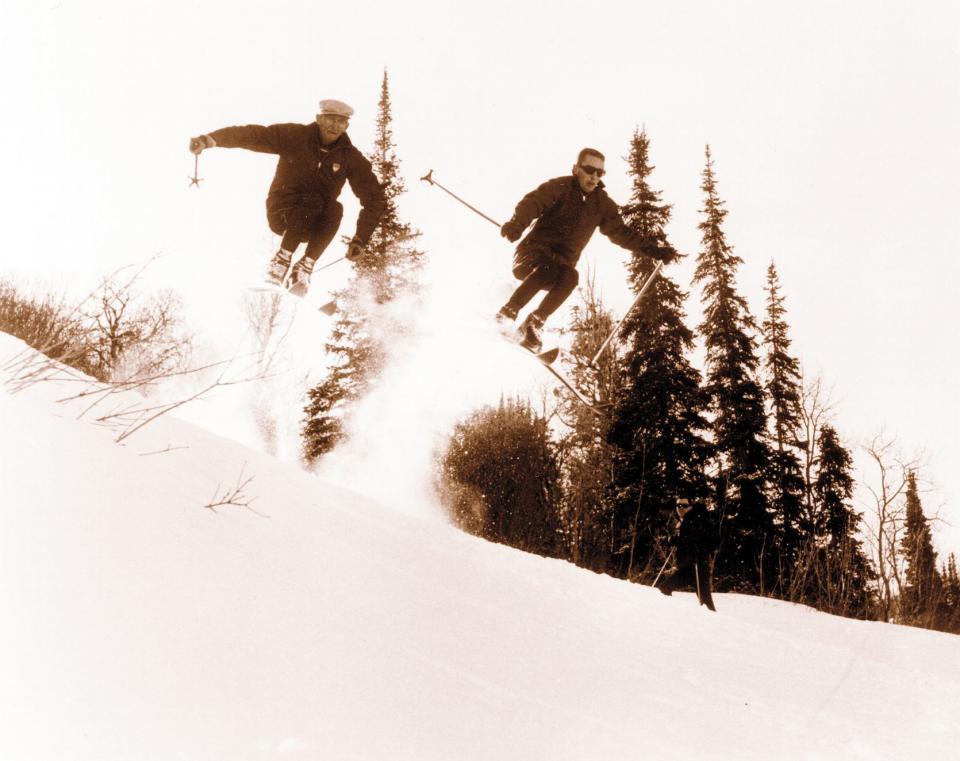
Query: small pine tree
{"type": "Point", "coordinates": [748, 539]}
{"type": "Point", "coordinates": [841, 570]}
{"type": "Point", "coordinates": [366, 325]}
{"type": "Point", "coordinates": [783, 395]}
{"type": "Point", "coordinates": [391, 263]}
{"type": "Point", "coordinates": [323, 429]}
{"type": "Point", "coordinates": [949, 618]}
{"type": "Point", "coordinates": [658, 421]}
{"type": "Point", "coordinates": [922, 593]}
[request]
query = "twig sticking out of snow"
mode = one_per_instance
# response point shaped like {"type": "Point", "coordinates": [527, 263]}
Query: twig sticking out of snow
{"type": "Point", "coordinates": [233, 496]}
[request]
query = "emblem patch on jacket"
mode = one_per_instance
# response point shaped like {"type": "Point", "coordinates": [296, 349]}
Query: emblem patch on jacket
{"type": "Point", "coordinates": [336, 168]}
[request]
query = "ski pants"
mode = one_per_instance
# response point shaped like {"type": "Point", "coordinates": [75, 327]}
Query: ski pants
{"type": "Point", "coordinates": [692, 573]}
{"type": "Point", "coordinates": [540, 269]}
{"type": "Point", "coordinates": [313, 225]}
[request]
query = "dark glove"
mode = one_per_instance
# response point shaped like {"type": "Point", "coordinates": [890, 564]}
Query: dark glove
{"type": "Point", "coordinates": [666, 254]}
{"type": "Point", "coordinates": [656, 250]}
{"type": "Point", "coordinates": [201, 143]}
{"type": "Point", "coordinates": [355, 249]}
{"type": "Point", "coordinates": [512, 231]}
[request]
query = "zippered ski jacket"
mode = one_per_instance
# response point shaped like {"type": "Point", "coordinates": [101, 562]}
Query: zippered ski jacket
{"type": "Point", "coordinates": [566, 220]}
{"type": "Point", "coordinates": [310, 174]}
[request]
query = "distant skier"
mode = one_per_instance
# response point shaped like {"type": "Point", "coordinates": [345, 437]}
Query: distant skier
{"type": "Point", "coordinates": [694, 541]}
{"type": "Point", "coordinates": [315, 160]}
{"type": "Point", "coordinates": [567, 210]}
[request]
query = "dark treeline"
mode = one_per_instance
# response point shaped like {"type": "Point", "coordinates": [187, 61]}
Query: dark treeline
{"type": "Point", "coordinates": [601, 491]}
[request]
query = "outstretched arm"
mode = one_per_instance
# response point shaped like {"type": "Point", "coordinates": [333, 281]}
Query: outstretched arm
{"type": "Point", "coordinates": [252, 137]}
{"type": "Point", "coordinates": [613, 226]}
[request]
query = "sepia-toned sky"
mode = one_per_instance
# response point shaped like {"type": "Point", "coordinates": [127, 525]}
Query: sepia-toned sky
{"type": "Point", "coordinates": [833, 127]}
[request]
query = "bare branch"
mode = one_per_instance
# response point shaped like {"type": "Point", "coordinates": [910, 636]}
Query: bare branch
{"type": "Point", "coordinates": [890, 484]}
{"type": "Point", "coordinates": [816, 410]}
{"type": "Point", "coordinates": [234, 496]}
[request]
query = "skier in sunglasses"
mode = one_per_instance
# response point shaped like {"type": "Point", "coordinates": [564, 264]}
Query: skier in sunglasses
{"type": "Point", "coordinates": [567, 210]}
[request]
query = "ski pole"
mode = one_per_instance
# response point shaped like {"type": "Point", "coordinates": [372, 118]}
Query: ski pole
{"type": "Point", "coordinates": [344, 239]}
{"type": "Point", "coordinates": [428, 177]}
{"type": "Point", "coordinates": [663, 567]}
{"type": "Point", "coordinates": [196, 179]}
{"type": "Point", "coordinates": [330, 264]}
{"type": "Point", "coordinates": [643, 290]}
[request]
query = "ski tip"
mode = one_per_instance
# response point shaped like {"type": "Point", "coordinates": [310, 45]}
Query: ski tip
{"type": "Point", "coordinates": [549, 356]}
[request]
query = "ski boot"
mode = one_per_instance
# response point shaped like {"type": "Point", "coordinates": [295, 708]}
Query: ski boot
{"type": "Point", "coordinates": [529, 332]}
{"type": "Point", "coordinates": [278, 267]}
{"type": "Point", "coordinates": [668, 583]}
{"type": "Point", "coordinates": [300, 277]}
{"type": "Point", "coordinates": [505, 319]}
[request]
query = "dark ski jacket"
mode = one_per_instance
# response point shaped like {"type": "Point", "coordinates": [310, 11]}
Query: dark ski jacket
{"type": "Point", "coordinates": [566, 219]}
{"type": "Point", "coordinates": [696, 535]}
{"type": "Point", "coordinates": [309, 174]}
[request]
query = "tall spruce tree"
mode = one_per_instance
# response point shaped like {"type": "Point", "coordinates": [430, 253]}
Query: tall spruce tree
{"type": "Point", "coordinates": [658, 423]}
{"type": "Point", "coordinates": [922, 593]}
{"type": "Point", "coordinates": [842, 570]}
{"type": "Point", "coordinates": [748, 539]}
{"type": "Point", "coordinates": [783, 387]}
{"type": "Point", "coordinates": [366, 323]}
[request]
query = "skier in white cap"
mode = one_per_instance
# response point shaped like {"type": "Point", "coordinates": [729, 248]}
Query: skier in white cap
{"type": "Point", "coordinates": [315, 160]}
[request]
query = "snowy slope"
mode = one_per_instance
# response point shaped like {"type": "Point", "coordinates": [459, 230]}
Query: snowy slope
{"type": "Point", "coordinates": [321, 625]}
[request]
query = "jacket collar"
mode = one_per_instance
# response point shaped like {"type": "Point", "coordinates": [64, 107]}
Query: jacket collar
{"type": "Point", "coordinates": [575, 183]}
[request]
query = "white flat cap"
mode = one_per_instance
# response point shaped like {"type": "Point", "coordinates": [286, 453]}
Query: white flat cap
{"type": "Point", "coordinates": [335, 107]}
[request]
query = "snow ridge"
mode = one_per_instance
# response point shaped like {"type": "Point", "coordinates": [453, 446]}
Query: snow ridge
{"type": "Point", "coordinates": [319, 623]}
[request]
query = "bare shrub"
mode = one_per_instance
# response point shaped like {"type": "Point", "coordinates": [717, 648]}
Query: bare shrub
{"type": "Point", "coordinates": [115, 333]}
{"type": "Point", "coordinates": [46, 323]}
{"type": "Point", "coordinates": [133, 335]}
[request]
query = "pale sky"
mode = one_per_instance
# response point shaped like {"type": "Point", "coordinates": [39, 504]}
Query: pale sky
{"type": "Point", "coordinates": [833, 129]}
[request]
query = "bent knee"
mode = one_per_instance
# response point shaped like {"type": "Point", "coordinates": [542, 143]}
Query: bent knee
{"type": "Point", "coordinates": [568, 276]}
{"type": "Point", "coordinates": [335, 210]}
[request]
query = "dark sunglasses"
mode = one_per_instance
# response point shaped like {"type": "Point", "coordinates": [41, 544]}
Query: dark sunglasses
{"type": "Point", "coordinates": [592, 170]}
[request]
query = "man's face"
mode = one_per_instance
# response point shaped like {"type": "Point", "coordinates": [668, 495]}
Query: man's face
{"type": "Point", "coordinates": [331, 127]}
{"type": "Point", "coordinates": [582, 172]}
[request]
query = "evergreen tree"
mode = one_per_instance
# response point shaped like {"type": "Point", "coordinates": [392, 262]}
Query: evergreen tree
{"type": "Point", "coordinates": [949, 619]}
{"type": "Point", "coordinates": [748, 540]}
{"type": "Point", "coordinates": [783, 393]}
{"type": "Point", "coordinates": [391, 262]}
{"type": "Point", "coordinates": [922, 592]}
{"type": "Point", "coordinates": [584, 453]}
{"type": "Point", "coordinates": [369, 320]}
{"type": "Point", "coordinates": [501, 479]}
{"type": "Point", "coordinates": [658, 418]}
{"type": "Point", "coordinates": [842, 572]}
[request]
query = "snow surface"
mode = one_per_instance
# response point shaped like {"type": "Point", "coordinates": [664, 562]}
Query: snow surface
{"type": "Point", "coordinates": [320, 624]}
